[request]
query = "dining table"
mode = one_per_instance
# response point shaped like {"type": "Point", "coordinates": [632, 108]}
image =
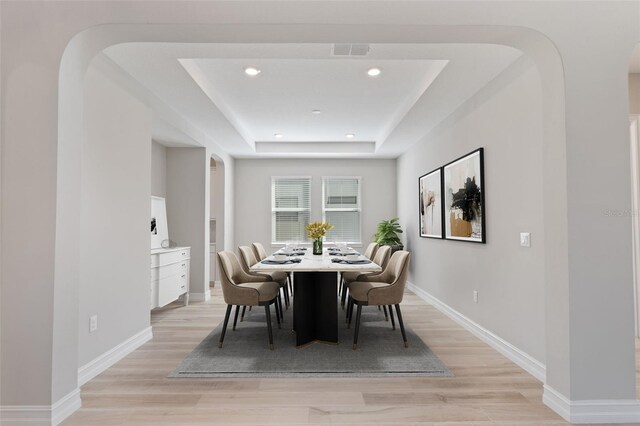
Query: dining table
{"type": "Point", "coordinates": [315, 287]}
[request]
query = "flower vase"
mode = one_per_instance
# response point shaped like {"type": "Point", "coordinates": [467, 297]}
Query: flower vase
{"type": "Point", "coordinates": [317, 246]}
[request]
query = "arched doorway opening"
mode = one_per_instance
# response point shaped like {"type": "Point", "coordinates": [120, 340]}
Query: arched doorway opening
{"type": "Point", "coordinates": [543, 54]}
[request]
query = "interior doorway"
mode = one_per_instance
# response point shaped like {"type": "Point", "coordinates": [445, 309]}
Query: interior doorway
{"type": "Point", "coordinates": [216, 216]}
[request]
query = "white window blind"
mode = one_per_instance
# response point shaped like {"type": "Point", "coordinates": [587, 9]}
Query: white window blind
{"type": "Point", "coordinates": [341, 207]}
{"type": "Point", "coordinates": [290, 208]}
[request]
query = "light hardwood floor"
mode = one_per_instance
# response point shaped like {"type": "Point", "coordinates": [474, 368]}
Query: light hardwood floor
{"type": "Point", "coordinates": [487, 387]}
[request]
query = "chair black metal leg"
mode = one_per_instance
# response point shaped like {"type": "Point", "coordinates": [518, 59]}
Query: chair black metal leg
{"type": "Point", "coordinates": [344, 294]}
{"type": "Point", "coordinates": [404, 335]}
{"type": "Point", "coordinates": [278, 313]}
{"type": "Point", "coordinates": [244, 309]}
{"type": "Point", "coordinates": [353, 305]}
{"type": "Point", "coordinates": [235, 317]}
{"type": "Point", "coordinates": [224, 326]}
{"type": "Point", "coordinates": [346, 314]}
{"type": "Point", "coordinates": [349, 311]}
{"type": "Point", "coordinates": [267, 311]}
{"type": "Point", "coordinates": [250, 308]}
{"type": "Point", "coordinates": [379, 308]}
{"type": "Point", "coordinates": [279, 301]}
{"type": "Point", "coordinates": [286, 296]}
{"type": "Point", "coordinates": [355, 335]}
{"type": "Point", "coordinates": [386, 316]}
{"type": "Point", "coordinates": [393, 323]}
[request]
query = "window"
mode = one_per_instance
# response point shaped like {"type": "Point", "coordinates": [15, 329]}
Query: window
{"type": "Point", "coordinates": [290, 208]}
{"type": "Point", "coordinates": [341, 207]}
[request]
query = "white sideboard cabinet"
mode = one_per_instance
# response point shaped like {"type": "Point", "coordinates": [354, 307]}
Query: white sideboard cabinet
{"type": "Point", "coordinates": [169, 275]}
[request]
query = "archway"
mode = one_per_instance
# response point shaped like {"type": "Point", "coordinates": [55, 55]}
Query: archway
{"type": "Point", "coordinates": [90, 42]}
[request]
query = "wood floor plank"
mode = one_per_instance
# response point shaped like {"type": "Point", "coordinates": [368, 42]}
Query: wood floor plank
{"type": "Point", "coordinates": [281, 399]}
{"type": "Point", "coordinates": [486, 389]}
{"type": "Point", "coordinates": [396, 415]}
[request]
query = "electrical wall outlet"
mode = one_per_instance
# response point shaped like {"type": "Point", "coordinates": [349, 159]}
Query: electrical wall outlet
{"type": "Point", "coordinates": [93, 323]}
{"type": "Point", "coordinates": [525, 239]}
{"type": "Point", "coordinates": [475, 296]}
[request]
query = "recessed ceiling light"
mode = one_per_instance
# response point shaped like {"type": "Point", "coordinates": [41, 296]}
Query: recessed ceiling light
{"type": "Point", "coordinates": [252, 71]}
{"type": "Point", "coordinates": [315, 111]}
{"type": "Point", "coordinates": [374, 72]}
{"type": "Point", "coordinates": [278, 135]}
{"type": "Point", "coordinates": [350, 135]}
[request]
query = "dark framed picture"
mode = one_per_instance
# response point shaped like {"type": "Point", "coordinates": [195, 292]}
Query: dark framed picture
{"type": "Point", "coordinates": [430, 199]}
{"type": "Point", "coordinates": [464, 206]}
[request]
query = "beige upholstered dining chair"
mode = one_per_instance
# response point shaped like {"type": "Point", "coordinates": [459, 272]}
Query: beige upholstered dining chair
{"type": "Point", "coordinates": [369, 253]}
{"type": "Point", "coordinates": [261, 254]}
{"type": "Point", "coordinates": [381, 258]}
{"type": "Point", "coordinates": [247, 260]}
{"type": "Point", "coordinates": [242, 289]}
{"type": "Point", "coordinates": [371, 250]}
{"type": "Point", "coordinates": [384, 289]}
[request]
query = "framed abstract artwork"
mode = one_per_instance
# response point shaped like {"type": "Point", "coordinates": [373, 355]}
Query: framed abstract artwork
{"type": "Point", "coordinates": [464, 206]}
{"type": "Point", "coordinates": [430, 199]}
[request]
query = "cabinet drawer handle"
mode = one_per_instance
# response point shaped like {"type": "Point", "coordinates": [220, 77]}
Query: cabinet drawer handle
{"type": "Point", "coordinates": [184, 253]}
{"type": "Point", "coordinates": [184, 265]}
{"type": "Point", "coordinates": [183, 276]}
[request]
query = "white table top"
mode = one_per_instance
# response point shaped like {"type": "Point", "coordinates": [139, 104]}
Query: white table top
{"type": "Point", "coordinates": [311, 263]}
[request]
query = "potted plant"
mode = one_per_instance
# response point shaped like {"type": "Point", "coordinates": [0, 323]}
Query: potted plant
{"type": "Point", "coordinates": [387, 234]}
{"type": "Point", "coordinates": [316, 231]}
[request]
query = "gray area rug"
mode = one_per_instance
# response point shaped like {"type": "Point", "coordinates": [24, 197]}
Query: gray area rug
{"type": "Point", "coordinates": [246, 351]}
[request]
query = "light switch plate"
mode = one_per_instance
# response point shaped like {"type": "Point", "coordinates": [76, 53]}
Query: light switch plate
{"type": "Point", "coordinates": [525, 239]}
{"type": "Point", "coordinates": [93, 323]}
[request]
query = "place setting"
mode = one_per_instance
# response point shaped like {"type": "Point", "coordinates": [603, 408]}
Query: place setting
{"type": "Point", "coordinates": [282, 259]}
{"type": "Point", "coordinates": [346, 255]}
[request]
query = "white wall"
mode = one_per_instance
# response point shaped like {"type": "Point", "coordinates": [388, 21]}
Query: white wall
{"type": "Point", "coordinates": [634, 93]}
{"type": "Point", "coordinates": [253, 192]}
{"type": "Point", "coordinates": [506, 119]}
{"type": "Point", "coordinates": [158, 170]}
{"type": "Point", "coordinates": [114, 255]}
{"type": "Point", "coordinates": [188, 211]}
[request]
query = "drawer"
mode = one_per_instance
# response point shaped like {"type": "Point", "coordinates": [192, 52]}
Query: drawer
{"type": "Point", "coordinates": [170, 288]}
{"type": "Point", "coordinates": [169, 270]}
{"type": "Point", "coordinates": [172, 256]}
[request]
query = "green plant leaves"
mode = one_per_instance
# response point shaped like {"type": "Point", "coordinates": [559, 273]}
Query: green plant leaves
{"type": "Point", "coordinates": [387, 233]}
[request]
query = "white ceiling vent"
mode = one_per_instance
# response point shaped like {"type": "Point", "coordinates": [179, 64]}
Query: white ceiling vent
{"type": "Point", "coordinates": [346, 49]}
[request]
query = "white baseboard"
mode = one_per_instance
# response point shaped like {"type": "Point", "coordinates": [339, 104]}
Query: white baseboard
{"type": "Point", "coordinates": [592, 411]}
{"type": "Point", "coordinates": [200, 297]}
{"type": "Point", "coordinates": [21, 415]}
{"type": "Point", "coordinates": [522, 359]}
{"type": "Point", "coordinates": [107, 359]}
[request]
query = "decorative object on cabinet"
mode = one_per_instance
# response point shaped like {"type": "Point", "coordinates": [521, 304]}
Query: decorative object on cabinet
{"type": "Point", "coordinates": [430, 198]}
{"type": "Point", "coordinates": [169, 275]}
{"type": "Point", "coordinates": [168, 244]}
{"type": "Point", "coordinates": [464, 189]}
{"type": "Point", "coordinates": [159, 227]}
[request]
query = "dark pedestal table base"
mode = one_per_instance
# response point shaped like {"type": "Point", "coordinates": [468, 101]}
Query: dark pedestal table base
{"type": "Point", "coordinates": [315, 307]}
